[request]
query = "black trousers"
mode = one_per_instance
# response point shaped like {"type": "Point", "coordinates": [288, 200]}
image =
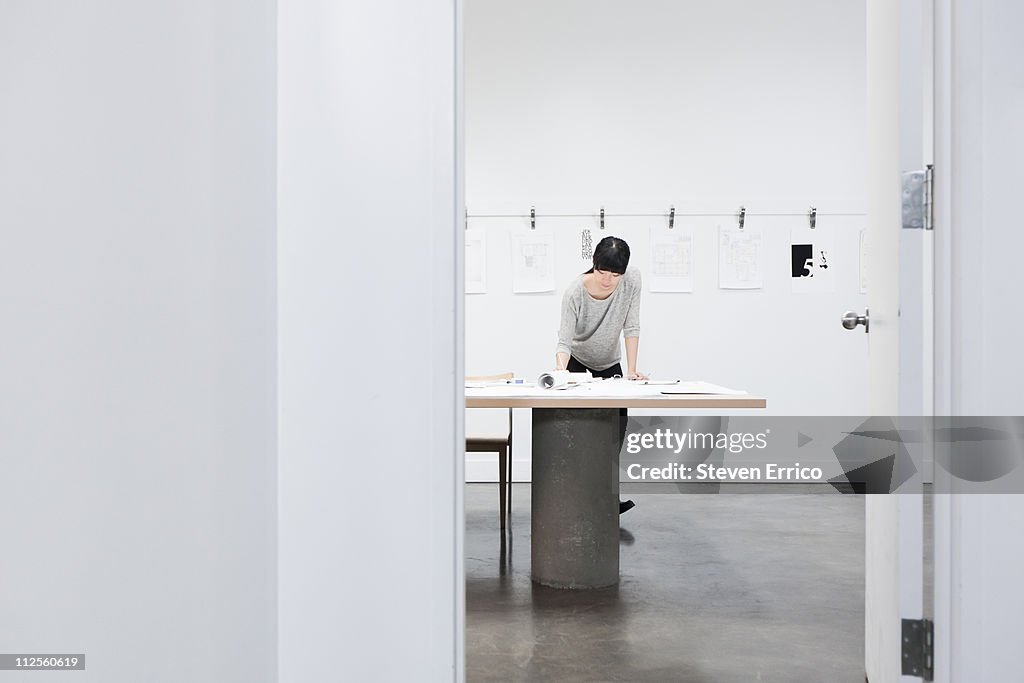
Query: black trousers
{"type": "Point", "coordinates": [576, 366]}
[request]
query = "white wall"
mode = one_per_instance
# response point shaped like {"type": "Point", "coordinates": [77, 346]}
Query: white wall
{"type": "Point", "coordinates": [979, 144]}
{"type": "Point", "coordinates": [370, 565]}
{"type": "Point", "coordinates": [575, 104]}
{"type": "Point", "coordinates": [137, 415]}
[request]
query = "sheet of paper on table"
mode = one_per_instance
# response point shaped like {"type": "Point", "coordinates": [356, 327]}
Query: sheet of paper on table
{"type": "Point", "coordinates": [608, 387]}
{"type": "Point", "coordinates": [516, 390]}
{"type": "Point", "coordinates": [699, 387]}
{"type": "Point", "coordinates": [473, 384]}
{"type": "Point", "coordinates": [620, 387]}
{"type": "Point", "coordinates": [612, 387]}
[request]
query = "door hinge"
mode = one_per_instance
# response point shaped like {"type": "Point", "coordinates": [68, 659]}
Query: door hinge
{"type": "Point", "coordinates": [918, 648]}
{"type": "Point", "coordinates": [917, 199]}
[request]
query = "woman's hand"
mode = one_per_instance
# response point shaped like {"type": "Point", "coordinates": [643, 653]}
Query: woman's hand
{"type": "Point", "coordinates": [636, 374]}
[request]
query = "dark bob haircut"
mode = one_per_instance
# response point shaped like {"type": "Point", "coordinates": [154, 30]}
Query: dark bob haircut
{"type": "Point", "coordinates": [611, 255]}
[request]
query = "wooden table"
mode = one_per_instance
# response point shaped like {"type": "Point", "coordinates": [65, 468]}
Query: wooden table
{"type": "Point", "coordinates": [577, 435]}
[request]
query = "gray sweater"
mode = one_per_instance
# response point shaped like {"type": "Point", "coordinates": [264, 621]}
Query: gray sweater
{"type": "Point", "coordinates": [591, 329]}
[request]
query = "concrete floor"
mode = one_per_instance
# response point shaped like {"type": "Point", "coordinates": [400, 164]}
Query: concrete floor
{"type": "Point", "coordinates": [714, 588]}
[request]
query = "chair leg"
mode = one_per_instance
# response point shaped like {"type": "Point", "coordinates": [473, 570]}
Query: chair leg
{"type": "Point", "coordinates": [509, 509]}
{"type": "Point", "coordinates": [511, 429]}
{"type": "Point", "coordinates": [502, 458]}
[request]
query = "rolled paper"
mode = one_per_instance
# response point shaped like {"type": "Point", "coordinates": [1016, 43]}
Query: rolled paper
{"type": "Point", "coordinates": [559, 379]}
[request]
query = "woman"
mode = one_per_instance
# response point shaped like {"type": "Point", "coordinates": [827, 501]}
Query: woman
{"type": "Point", "coordinates": [599, 307]}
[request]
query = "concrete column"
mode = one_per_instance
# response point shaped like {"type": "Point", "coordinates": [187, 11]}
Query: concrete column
{"type": "Point", "coordinates": [575, 502]}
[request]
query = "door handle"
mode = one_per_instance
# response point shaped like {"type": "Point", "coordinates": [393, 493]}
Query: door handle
{"type": "Point", "coordinates": [851, 320]}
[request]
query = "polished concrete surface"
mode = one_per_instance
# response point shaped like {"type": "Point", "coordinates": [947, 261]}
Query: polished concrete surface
{"type": "Point", "coordinates": [714, 588]}
{"type": "Point", "coordinates": [576, 496]}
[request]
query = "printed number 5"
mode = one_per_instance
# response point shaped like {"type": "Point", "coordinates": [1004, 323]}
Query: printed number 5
{"type": "Point", "coordinates": [808, 267]}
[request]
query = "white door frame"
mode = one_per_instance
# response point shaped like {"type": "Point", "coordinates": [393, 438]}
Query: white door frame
{"type": "Point", "coordinates": [900, 317]}
{"type": "Point", "coordinates": [976, 139]}
{"type": "Point", "coordinates": [370, 478]}
{"type": "Point", "coordinates": [942, 508]}
{"type": "Point", "coordinates": [978, 144]}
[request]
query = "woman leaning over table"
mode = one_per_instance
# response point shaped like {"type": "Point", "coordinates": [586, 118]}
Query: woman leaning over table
{"type": "Point", "coordinates": [598, 308]}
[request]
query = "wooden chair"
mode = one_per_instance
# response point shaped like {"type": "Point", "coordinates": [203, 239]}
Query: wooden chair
{"type": "Point", "coordinates": [496, 443]}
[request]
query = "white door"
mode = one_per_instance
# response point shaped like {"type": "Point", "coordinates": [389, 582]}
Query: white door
{"type": "Point", "coordinates": [978, 146]}
{"type": "Point", "coordinates": [893, 523]}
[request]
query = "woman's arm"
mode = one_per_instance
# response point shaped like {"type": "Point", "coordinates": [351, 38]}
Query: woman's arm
{"type": "Point", "coordinates": [631, 329]}
{"type": "Point", "coordinates": [566, 329]}
{"type": "Point", "coordinates": [632, 346]}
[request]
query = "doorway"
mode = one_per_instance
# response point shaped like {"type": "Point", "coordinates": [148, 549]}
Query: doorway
{"type": "Point", "coordinates": [719, 110]}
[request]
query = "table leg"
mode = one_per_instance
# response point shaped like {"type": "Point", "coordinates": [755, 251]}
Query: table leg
{"type": "Point", "coordinates": [575, 501]}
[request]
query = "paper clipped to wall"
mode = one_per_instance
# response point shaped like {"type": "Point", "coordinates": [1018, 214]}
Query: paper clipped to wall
{"type": "Point", "coordinates": [533, 262]}
{"type": "Point", "coordinates": [476, 261]}
{"type": "Point", "coordinates": [812, 260]}
{"type": "Point", "coordinates": [671, 268]}
{"type": "Point", "coordinates": [739, 258]}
